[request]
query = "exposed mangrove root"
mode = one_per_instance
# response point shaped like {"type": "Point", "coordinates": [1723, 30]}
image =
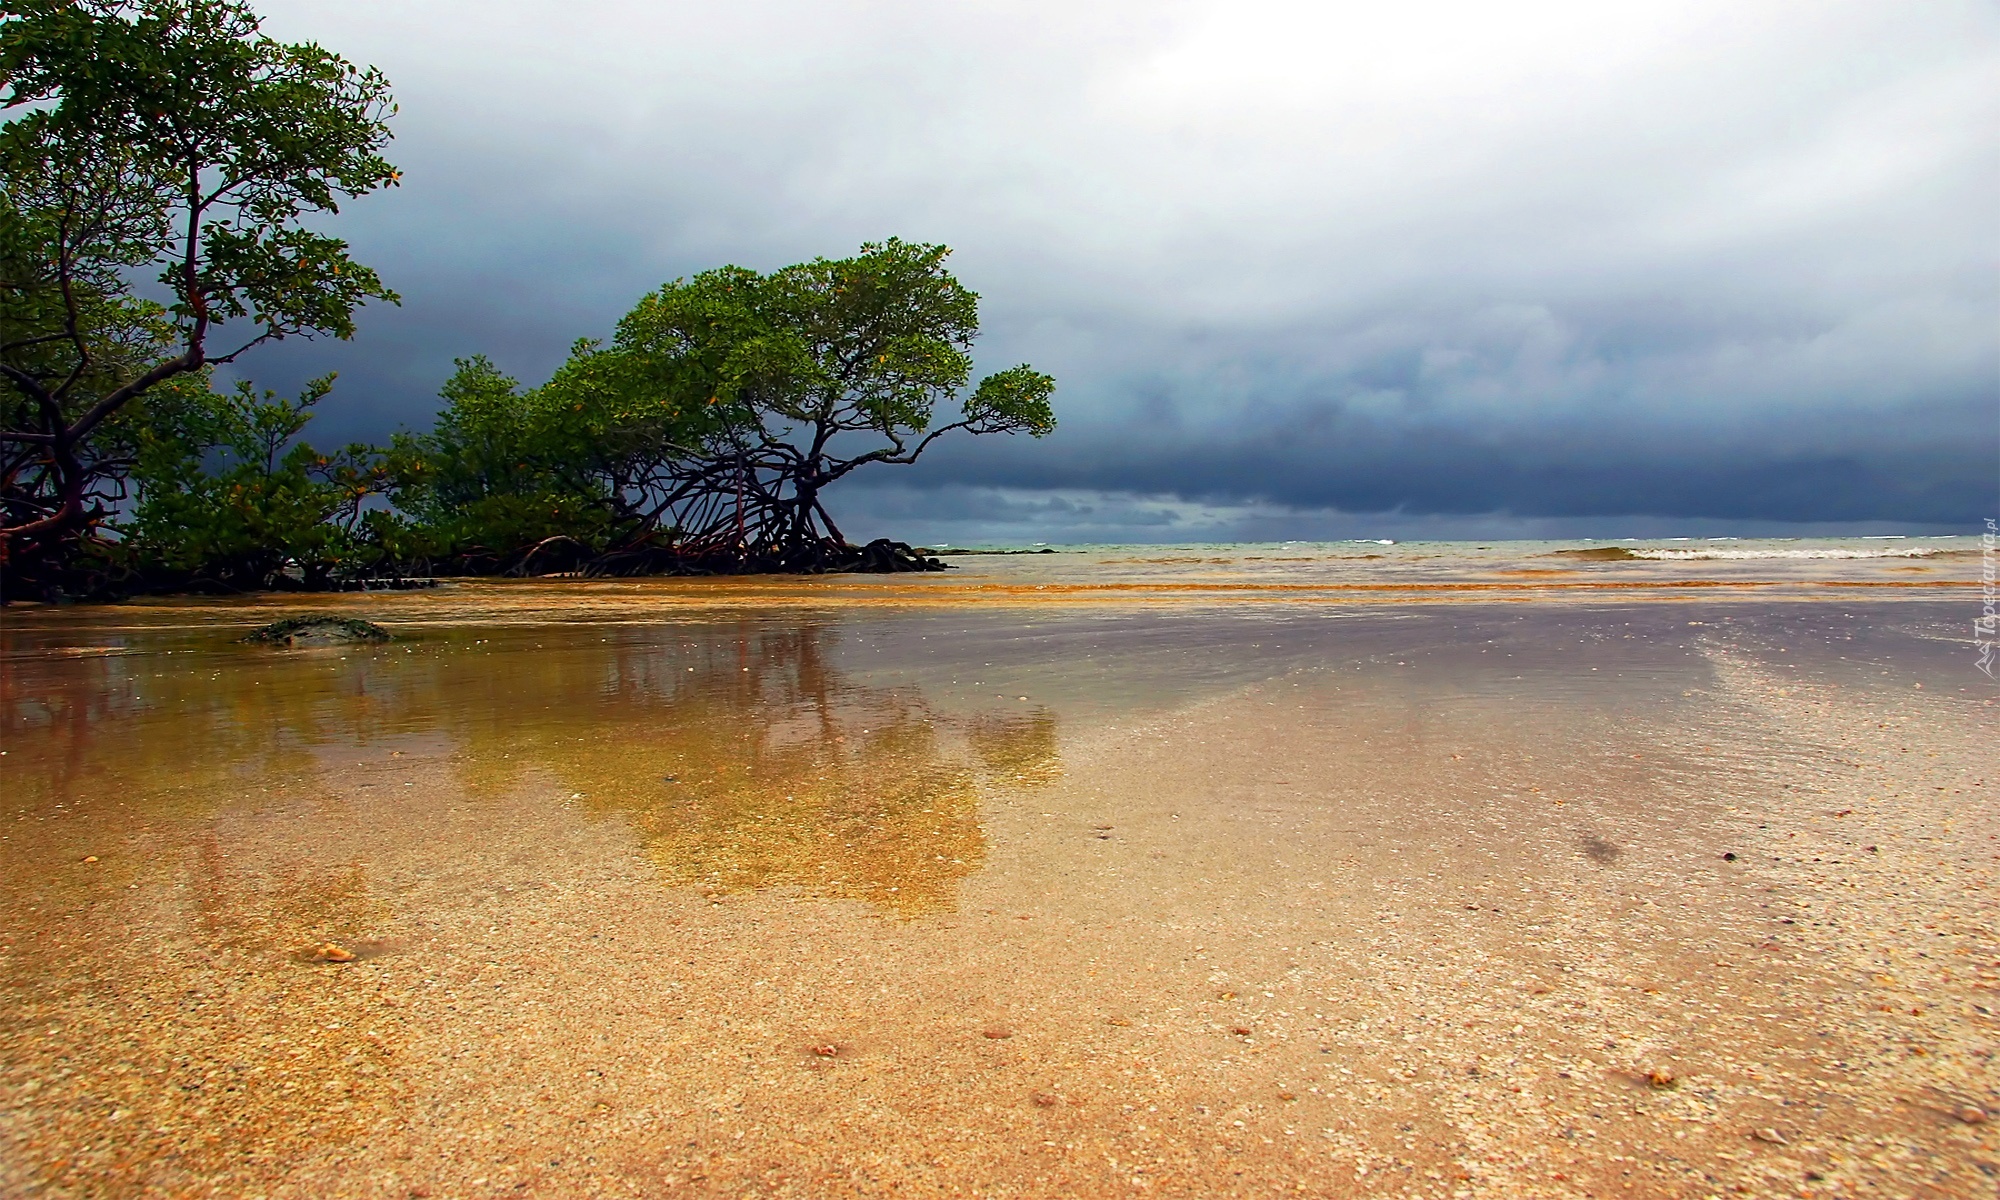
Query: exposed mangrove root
{"type": "Point", "coordinates": [821, 557]}
{"type": "Point", "coordinates": [393, 584]}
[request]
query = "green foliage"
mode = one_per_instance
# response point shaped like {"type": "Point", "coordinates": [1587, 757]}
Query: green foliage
{"type": "Point", "coordinates": [501, 471]}
{"type": "Point", "coordinates": [230, 497]}
{"type": "Point", "coordinates": [171, 138]}
{"type": "Point", "coordinates": [177, 121]}
{"type": "Point", "coordinates": [703, 433]}
{"type": "Point", "coordinates": [701, 436]}
{"type": "Point", "coordinates": [870, 344]}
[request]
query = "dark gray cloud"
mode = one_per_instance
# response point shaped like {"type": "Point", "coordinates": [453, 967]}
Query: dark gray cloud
{"type": "Point", "coordinates": [1298, 268]}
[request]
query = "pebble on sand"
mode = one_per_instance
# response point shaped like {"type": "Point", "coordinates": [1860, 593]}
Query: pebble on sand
{"type": "Point", "coordinates": [328, 952]}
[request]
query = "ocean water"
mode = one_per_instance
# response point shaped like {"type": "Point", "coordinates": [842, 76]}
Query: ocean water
{"type": "Point", "coordinates": [1390, 566]}
{"type": "Point", "coordinates": [1224, 575]}
{"type": "Point", "coordinates": [1877, 546]}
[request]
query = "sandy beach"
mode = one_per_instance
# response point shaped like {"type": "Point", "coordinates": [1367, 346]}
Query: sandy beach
{"type": "Point", "coordinates": [605, 892]}
{"type": "Point", "coordinates": [860, 600]}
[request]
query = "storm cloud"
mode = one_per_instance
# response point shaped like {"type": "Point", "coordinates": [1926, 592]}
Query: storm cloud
{"type": "Point", "coordinates": [1299, 269]}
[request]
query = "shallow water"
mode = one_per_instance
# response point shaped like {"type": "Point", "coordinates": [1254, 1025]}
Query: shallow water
{"type": "Point", "coordinates": [833, 887]}
{"type": "Point", "coordinates": [839, 753]}
{"type": "Point", "coordinates": [842, 752]}
{"type": "Point", "coordinates": [1233, 577]}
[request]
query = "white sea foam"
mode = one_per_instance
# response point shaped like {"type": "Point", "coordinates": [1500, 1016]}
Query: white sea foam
{"type": "Point", "coordinates": [1663, 553]}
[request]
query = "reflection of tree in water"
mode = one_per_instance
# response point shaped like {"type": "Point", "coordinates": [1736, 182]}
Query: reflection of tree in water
{"type": "Point", "coordinates": [177, 732]}
{"type": "Point", "coordinates": [742, 755]}
{"type": "Point", "coordinates": [1018, 749]}
{"type": "Point", "coordinates": [745, 759]}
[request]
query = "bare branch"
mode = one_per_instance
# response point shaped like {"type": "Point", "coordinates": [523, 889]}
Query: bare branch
{"type": "Point", "coordinates": [118, 398]}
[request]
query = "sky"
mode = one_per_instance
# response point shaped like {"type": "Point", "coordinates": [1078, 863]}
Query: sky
{"type": "Point", "coordinates": [1428, 268]}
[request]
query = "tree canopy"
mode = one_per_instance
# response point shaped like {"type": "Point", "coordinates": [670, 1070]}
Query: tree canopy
{"type": "Point", "coordinates": [166, 176]}
{"type": "Point", "coordinates": [703, 434]}
{"type": "Point", "coordinates": [795, 379]}
{"type": "Point", "coordinates": [230, 497]}
{"type": "Point", "coordinates": [158, 174]}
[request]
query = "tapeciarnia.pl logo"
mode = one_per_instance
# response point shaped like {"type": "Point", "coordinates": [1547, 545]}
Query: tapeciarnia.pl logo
{"type": "Point", "coordinates": [1986, 629]}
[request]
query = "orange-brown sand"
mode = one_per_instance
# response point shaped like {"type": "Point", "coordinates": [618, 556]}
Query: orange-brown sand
{"type": "Point", "coordinates": [1686, 899]}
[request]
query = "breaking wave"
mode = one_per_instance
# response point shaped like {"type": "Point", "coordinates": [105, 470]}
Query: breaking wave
{"type": "Point", "coordinates": [1679, 553]}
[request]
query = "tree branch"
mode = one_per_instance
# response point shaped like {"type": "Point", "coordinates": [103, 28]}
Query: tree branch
{"type": "Point", "coordinates": [895, 455]}
{"type": "Point", "coordinates": [191, 361]}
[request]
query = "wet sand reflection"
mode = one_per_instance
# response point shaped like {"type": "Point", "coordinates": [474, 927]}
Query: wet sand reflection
{"type": "Point", "coordinates": [739, 752]}
{"type": "Point", "coordinates": [745, 759]}
{"type": "Point", "coordinates": [1397, 903]}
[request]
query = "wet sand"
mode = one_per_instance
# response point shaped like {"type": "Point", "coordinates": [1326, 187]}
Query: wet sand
{"type": "Point", "coordinates": [1024, 900]}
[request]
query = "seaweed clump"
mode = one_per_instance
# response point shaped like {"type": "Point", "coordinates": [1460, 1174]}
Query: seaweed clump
{"type": "Point", "coordinates": [1598, 554]}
